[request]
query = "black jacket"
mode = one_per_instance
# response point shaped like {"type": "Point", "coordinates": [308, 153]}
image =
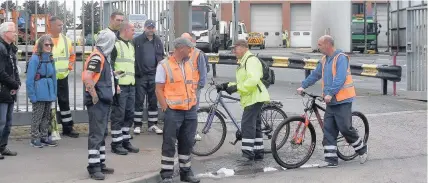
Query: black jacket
{"type": "Point", "coordinates": [9, 77]}
{"type": "Point", "coordinates": [140, 67]}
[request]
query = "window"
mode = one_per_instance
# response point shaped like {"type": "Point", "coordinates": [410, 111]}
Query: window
{"type": "Point", "coordinates": [358, 28]}
{"type": "Point", "coordinates": [199, 20]}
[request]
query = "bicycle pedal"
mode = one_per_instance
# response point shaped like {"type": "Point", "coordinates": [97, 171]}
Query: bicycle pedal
{"type": "Point", "coordinates": [233, 143]}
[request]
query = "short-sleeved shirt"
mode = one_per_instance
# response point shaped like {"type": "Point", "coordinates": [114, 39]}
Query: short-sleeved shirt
{"type": "Point", "coordinates": [161, 74]}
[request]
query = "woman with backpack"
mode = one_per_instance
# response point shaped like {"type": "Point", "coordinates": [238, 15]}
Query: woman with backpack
{"type": "Point", "coordinates": [42, 91]}
{"type": "Point", "coordinates": [252, 80]}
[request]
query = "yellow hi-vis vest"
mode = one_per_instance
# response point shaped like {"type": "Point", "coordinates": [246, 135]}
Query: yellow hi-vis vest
{"type": "Point", "coordinates": [125, 62]}
{"type": "Point", "coordinates": [61, 55]}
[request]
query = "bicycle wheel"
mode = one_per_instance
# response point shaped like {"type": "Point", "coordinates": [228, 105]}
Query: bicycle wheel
{"type": "Point", "coordinates": [271, 117]}
{"type": "Point", "coordinates": [361, 126]}
{"type": "Point", "coordinates": [210, 142]}
{"type": "Point", "coordinates": [296, 139]}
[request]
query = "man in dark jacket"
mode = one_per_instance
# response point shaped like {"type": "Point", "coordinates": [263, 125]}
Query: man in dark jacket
{"type": "Point", "coordinates": [149, 52]}
{"type": "Point", "coordinates": [9, 83]}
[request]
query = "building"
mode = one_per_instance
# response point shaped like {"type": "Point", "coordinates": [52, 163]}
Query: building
{"type": "Point", "coordinates": [273, 17]}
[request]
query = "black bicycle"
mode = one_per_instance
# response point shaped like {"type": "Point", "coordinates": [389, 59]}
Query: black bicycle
{"type": "Point", "coordinates": [299, 136]}
{"type": "Point", "coordinates": [209, 141]}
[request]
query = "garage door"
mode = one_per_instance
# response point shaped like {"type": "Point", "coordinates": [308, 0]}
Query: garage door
{"type": "Point", "coordinates": [382, 18]}
{"type": "Point", "coordinates": [267, 19]}
{"type": "Point", "coordinates": [300, 34]}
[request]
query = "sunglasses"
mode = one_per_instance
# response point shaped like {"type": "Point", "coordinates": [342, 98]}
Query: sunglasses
{"type": "Point", "coordinates": [49, 45]}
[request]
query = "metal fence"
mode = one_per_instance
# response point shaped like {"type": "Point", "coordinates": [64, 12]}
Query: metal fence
{"type": "Point", "coordinates": [417, 50]}
{"type": "Point", "coordinates": [95, 18]}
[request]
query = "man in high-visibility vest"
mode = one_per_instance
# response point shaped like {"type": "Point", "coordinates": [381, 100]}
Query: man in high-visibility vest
{"type": "Point", "coordinates": [338, 92]}
{"type": "Point", "coordinates": [285, 41]}
{"type": "Point", "coordinates": [64, 57]}
{"type": "Point", "coordinates": [198, 61]}
{"type": "Point", "coordinates": [122, 115]}
{"type": "Point", "coordinates": [175, 92]}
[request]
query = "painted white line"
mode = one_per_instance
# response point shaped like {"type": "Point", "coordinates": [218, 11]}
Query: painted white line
{"type": "Point", "coordinates": [395, 113]}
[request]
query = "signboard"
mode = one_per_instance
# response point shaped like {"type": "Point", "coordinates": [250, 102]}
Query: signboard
{"type": "Point", "coordinates": [138, 20]}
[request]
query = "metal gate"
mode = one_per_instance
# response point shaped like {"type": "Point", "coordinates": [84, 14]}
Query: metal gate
{"type": "Point", "coordinates": [416, 49]}
{"type": "Point", "coordinates": [95, 16]}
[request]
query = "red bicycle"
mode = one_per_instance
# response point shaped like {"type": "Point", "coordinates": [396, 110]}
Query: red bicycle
{"type": "Point", "coordinates": [304, 134]}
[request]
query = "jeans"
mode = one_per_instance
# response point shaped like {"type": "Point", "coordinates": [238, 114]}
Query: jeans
{"type": "Point", "coordinates": [6, 113]}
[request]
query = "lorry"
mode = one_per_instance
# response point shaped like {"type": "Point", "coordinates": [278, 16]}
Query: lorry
{"type": "Point", "coordinates": [205, 26]}
{"type": "Point", "coordinates": [357, 29]}
{"type": "Point", "coordinates": [226, 33]}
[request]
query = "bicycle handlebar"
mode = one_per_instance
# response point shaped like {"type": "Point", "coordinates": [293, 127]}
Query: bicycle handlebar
{"type": "Point", "coordinates": [319, 98]}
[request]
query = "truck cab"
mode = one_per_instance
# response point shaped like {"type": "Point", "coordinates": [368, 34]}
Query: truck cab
{"type": "Point", "coordinates": [357, 29]}
{"type": "Point", "coordinates": [205, 27]}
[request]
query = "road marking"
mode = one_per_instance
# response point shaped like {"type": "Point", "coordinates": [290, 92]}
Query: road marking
{"type": "Point", "coordinates": [395, 113]}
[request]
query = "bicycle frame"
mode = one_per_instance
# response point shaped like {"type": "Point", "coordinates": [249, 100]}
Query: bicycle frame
{"type": "Point", "coordinates": [219, 100]}
{"type": "Point", "coordinates": [314, 107]}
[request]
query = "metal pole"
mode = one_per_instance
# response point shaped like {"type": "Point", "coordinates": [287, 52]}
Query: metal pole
{"type": "Point", "coordinates": [74, 65]}
{"type": "Point", "coordinates": [92, 28]}
{"type": "Point", "coordinates": [235, 21]}
{"type": "Point", "coordinates": [377, 27]}
{"type": "Point", "coordinates": [365, 26]}
{"type": "Point", "coordinates": [35, 20]}
{"type": "Point", "coordinates": [7, 10]}
{"type": "Point", "coordinates": [398, 25]}
{"type": "Point", "coordinates": [388, 31]}
{"type": "Point", "coordinates": [26, 50]}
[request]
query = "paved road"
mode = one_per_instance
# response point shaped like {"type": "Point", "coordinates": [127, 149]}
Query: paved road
{"type": "Point", "coordinates": [397, 144]}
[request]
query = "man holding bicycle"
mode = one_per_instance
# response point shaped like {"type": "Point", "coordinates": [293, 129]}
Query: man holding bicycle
{"type": "Point", "coordinates": [338, 91]}
{"type": "Point", "coordinates": [253, 94]}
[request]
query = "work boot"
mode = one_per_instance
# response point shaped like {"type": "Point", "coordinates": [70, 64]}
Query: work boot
{"type": "Point", "coordinates": [97, 176]}
{"type": "Point", "coordinates": [8, 152]}
{"type": "Point", "coordinates": [187, 178]}
{"type": "Point", "coordinates": [71, 133]}
{"type": "Point", "coordinates": [128, 146]}
{"type": "Point", "coordinates": [1, 156]}
{"type": "Point", "coordinates": [244, 161]}
{"type": "Point", "coordinates": [118, 149]}
{"type": "Point", "coordinates": [259, 157]}
{"type": "Point", "coordinates": [95, 172]}
{"type": "Point", "coordinates": [106, 170]}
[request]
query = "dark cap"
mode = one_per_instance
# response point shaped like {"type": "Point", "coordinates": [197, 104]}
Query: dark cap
{"type": "Point", "coordinates": [150, 23]}
{"type": "Point", "coordinates": [240, 42]}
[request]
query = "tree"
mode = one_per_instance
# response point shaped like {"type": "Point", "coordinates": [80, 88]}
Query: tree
{"type": "Point", "coordinates": [30, 7]}
{"type": "Point", "coordinates": [87, 9]}
{"type": "Point", "coordinates": [10, 4]}
{"type": "Point", "coordinates": [57, 9]}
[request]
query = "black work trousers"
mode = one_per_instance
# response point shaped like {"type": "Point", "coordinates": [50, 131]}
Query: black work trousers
{"type": "Point", "coordinates": [145, 87]}
{"type": "Point", "coordinates": [179, 125]}
{"type": "Point", "coordinates": [338, 118]}
{"type": "Point", "coordinates": [98, 122]}
{"type": "Point", "coordinates": [64, 105]}
{"type": "Point", "coordinates": [122, 115]}
{"type": "Point", "coordinates": [252, 137]}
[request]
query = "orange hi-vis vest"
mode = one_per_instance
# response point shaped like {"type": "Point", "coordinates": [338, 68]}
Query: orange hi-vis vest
{"type": "Point", "coordinates": [348, 90]}
{"type": "Point", "coordinates": [193, 60]}
{"type": "Point", "coordinates": [179, 91]}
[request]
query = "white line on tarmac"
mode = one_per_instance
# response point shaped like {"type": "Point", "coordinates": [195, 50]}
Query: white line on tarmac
{"type": "Point", "coordinates": [395, 113]}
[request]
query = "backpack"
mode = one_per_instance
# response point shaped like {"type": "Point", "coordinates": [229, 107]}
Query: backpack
{"type": "Point", "coordinates": [268, 77]}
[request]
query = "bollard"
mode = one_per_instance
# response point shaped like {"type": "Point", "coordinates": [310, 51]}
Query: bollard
{"type": "Point", "coordinates": [214, 71]}
{"type": "Point", "coordinates": [384, 86]}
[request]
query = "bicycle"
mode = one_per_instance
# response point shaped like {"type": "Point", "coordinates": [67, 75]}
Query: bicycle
{"type": "Point", "coordinates": [213, 111]}
{"type": "Point", "coordinates": [304, 123]}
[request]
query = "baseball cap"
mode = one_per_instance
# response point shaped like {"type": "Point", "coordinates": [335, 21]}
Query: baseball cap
{"type": "Point", "coordinates": [150, 23]}
{"type": "Point", "coordinates": [240, 42]}
{"type": "Point", "coordinates": [182, 42]}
